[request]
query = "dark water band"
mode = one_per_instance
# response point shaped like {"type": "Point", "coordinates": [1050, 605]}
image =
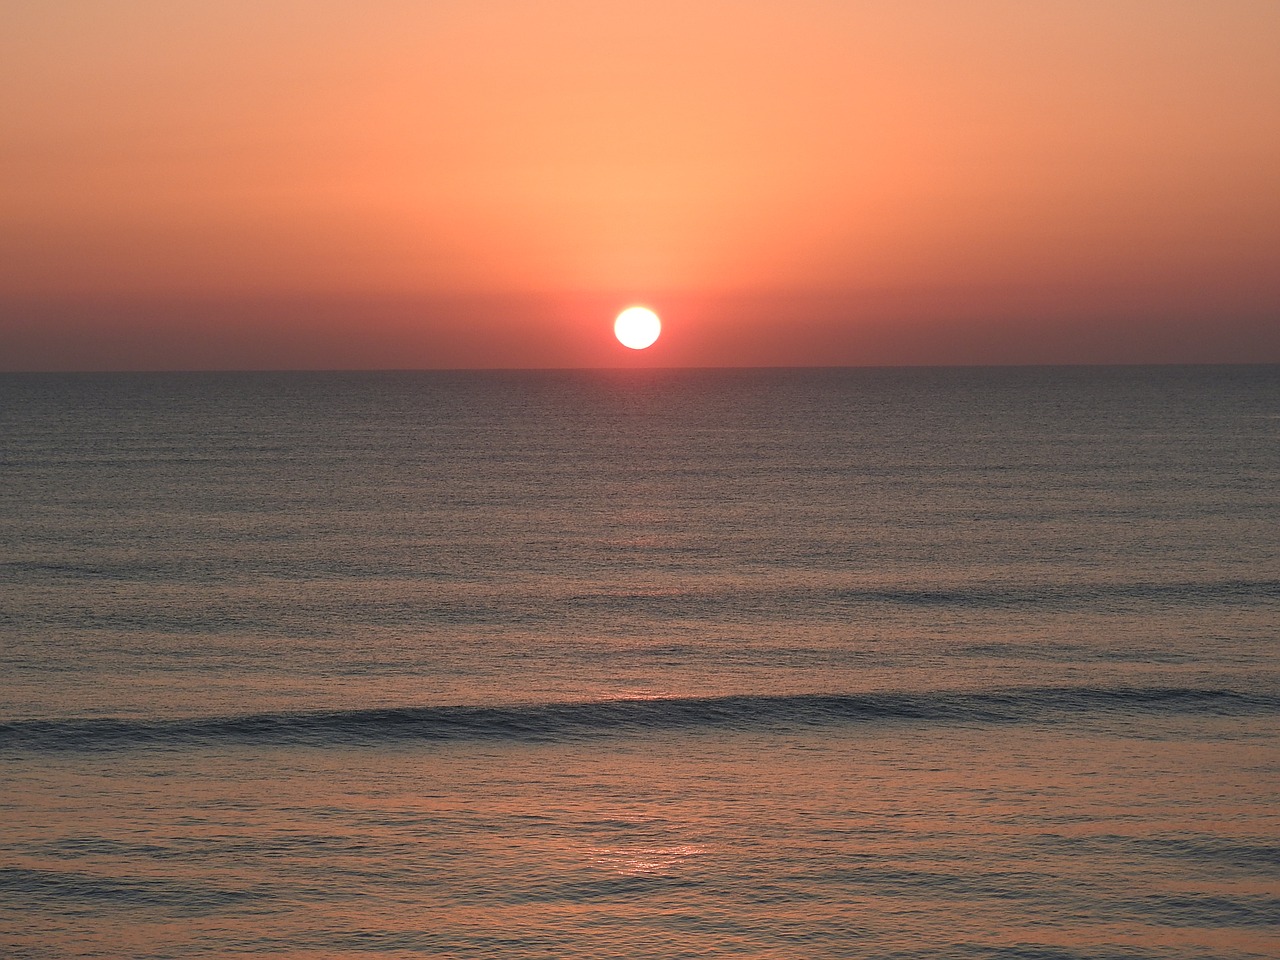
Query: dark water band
{"type": "Point", "coordinates": [568, 721]}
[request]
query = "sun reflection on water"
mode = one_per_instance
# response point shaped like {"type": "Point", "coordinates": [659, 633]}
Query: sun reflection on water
{"type": "Point", "coordinates": [646, 861]}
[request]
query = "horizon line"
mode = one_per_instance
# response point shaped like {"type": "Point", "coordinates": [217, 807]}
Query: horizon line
{"type": "Point", "coordinates": [646, 369]}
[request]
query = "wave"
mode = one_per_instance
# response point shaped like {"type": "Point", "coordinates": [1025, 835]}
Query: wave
{"type": "Point", "coordinates": [839, 599]}
{"type": "Point", "coordinates": [560, 721]}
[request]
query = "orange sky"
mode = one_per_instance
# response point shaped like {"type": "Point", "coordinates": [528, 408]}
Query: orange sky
{"type": "Point", "coordinates": [476, 183]}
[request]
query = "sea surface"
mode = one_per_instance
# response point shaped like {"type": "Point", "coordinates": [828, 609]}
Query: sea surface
{"type": "Point", "coordinates": [918, 663]}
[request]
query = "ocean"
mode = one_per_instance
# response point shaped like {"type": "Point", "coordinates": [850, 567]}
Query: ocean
{"type": "Point", "coordinates": [892, 663]}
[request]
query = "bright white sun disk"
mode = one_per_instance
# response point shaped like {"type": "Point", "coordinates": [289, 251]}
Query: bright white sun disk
{"type": "Point", "coordinates": [637, 327]}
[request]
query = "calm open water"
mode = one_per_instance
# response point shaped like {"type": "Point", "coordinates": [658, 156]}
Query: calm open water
{"type": "Point", "coordinates": [816, 663]}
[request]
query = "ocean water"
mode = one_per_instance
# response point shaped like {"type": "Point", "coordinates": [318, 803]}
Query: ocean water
{"type": "Point", "coordinates": [938, 663]}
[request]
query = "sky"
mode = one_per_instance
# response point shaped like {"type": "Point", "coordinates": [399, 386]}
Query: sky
{"type": "Point", "coordinates": [314, 184]}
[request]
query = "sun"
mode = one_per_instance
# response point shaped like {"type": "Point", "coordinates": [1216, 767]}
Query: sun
{"type": "Point", "coordinates": [637, 327]}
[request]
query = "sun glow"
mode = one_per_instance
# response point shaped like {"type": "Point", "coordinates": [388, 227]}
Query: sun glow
{"type": "Point", "coordinates": [637, 327]}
